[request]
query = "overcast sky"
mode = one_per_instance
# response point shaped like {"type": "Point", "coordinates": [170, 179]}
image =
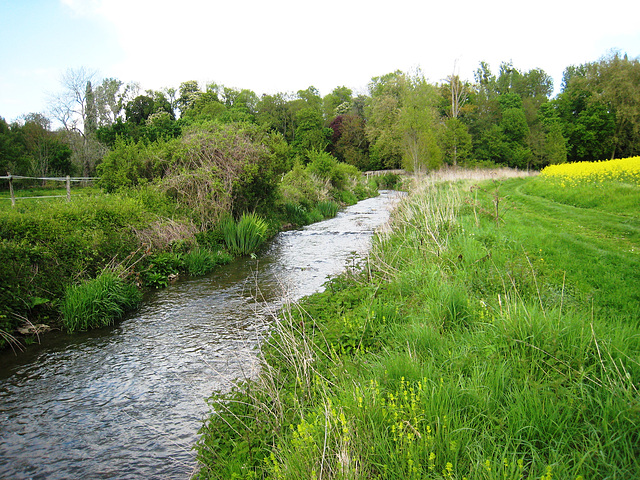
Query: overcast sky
{"type": "Point", "coordinates": [289, 45]}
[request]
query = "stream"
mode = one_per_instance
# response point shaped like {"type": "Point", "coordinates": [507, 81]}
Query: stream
{"type": "Point", "coordinates": [127, 401]}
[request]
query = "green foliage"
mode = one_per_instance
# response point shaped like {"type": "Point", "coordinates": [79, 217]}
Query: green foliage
{"type": "Point", "coordinates": [388, 181]}
{"type": "Point", "coordinates": [221, 169]}
{"type": "Point", "coordinates": [131, 164]}
{"type": "Point", "coordinates": [246, 235]}
{"type": "Point", "coordinates": [161, 268]}
{"type": "Point", "coordinates": [311, 134]}
{"type": "Point", "coordinates": [349, 141]}
{"type": "Point", "coordinates": [201, 261]}
{"type": "Point", "coordinates": [98, 302]}
{"type": "Point", "coordinates": [328, 209]}
{"type": "Point", "coordinates": [471, 348]}
{"type": "Point", "coordinates": [296, 214]}
{"type": "Point", "coordinates": [46, 246]}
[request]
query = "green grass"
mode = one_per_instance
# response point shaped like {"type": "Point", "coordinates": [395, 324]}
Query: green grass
{"type": "Point", "coordinates": [201, 261]}
{"type": "Point", "coordinates": [56, 194]}
{"type": "Point", "coordinates": [493, 335]}
{"type": "Point", "coordinates": [328, 209]}
{"type": "Point", "coordinates": [246, 235]}
{"type": "Point", "coordinates": [98, 302]}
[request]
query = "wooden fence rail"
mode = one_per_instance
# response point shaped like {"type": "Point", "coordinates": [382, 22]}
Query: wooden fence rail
{"type": "Point", "coordinates": [66, 179]}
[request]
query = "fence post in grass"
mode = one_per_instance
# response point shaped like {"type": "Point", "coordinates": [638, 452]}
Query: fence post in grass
{"type": "Point", "coordinates": [13, 198]}
{"type": "Point", "coordinates": [68, 188]}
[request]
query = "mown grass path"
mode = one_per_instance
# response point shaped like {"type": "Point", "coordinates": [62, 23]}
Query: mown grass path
{"type": "Point", "coordinates": [598, 250]}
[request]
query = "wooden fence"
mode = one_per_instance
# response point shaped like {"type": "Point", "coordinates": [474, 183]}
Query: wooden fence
{"type": "Point", "coordinates": [377, 173]}
{"type": "Point", "coordinates": [66, 179]}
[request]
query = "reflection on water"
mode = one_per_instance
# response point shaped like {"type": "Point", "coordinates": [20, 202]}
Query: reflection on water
{"type": "Point", "coordinates": [127, 401]}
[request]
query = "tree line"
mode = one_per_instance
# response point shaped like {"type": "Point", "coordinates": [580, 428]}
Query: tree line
{"type": "Point", "coordinates": [506, 118]}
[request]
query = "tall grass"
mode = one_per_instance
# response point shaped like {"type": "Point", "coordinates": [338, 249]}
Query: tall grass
{"type": "Point", "coordinates": [98, 302]}
{"type": "Point", "coordinates": [201, 261]}
{"type": "Point", "coordinates": [246, 235]}
{"type": "Point", "coordinates": [328, 209]}
{"type": "Point", "coordinates": [462, 350]}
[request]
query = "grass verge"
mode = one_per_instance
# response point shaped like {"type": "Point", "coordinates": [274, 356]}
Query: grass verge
{"type": "Point", "coordinates": [492, 334]}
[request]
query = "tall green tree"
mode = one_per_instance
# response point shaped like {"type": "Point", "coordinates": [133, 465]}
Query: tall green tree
{"type": "Point", "coordinates": [418, 122]}
{"type": "Point", "coordinates": [349, 141]}
{"type": "Point", "coordinates": [310, 132]}
{"type": "Point", "coordinates": [275, 112]}
{"type": "Point", "coordinates": [614, 81]}
{"type": "Point", "coordinates": [338, 102]}
{"type": "Point", "coordinates": [382, 115]}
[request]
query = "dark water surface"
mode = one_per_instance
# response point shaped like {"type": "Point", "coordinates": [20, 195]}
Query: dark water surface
{"type": "Point", "coordinates": [126, 402]}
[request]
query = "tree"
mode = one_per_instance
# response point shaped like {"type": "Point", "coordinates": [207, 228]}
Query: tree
{"type": "Point", "coordinates": [456, 141]}
{"type": "Point", "coordinates": [382, 119]}
{"type": "Point", "coordinates": [458, 93]}
{"type": "Point", "coordinates": [189, 93]}
{"type": "Point", "coordinates": [588, 124]}
{"type": "Point", "coordinates": [139, 109]}
{"type": "Point", "coordinates": [75, 108]}
{"type": "Point", "coordinates": [70, 106]}
{"type": "Point", "coordinates": [503, 119]}
{"type": "Point", "coordinates": [310, 132]}
{"type": "Point", "coordinates": [91, 113]}
{"type": "Point", "coordinates": [276, 112]}
{"type": "Point", "coordinates": [418, 122]}
{"type": "Point", "coordinates": [14, 157]}
{"type": "Point", "coordinates": [349, 141]}
{"type": "Point", "coordinates": [338, 102]}
{"type": "Point", "coordinates": [614, 82]}
{"type": "Point", "coordinates": [109, 100]}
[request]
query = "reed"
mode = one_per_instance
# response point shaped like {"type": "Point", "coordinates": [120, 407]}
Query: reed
{"type": "Point", "coordinates": [246, 235]}
{"type": "Point", "coordinates": [328, 209]}
{"type": "Point", "coordinates": [201, 261]}
{"type": "Point", "coordinates": [98, 302]}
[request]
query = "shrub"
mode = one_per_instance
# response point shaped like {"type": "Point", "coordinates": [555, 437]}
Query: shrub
{"type": "Point", "coordinates": [346, 197]}
{"type": "Point", "coordinates": [98, 302]}
{"type": "Point", "coordinates": [161, 267]}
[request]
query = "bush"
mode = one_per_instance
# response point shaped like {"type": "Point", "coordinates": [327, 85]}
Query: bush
{"type": "Point", "coordinates": [346, 197]}
{"type": "Point", "coordinates": [161, 267]}
{"type": "Point", "coordinates": [98, 302]}
{"type": "Point", "coordinates": [388, 181]}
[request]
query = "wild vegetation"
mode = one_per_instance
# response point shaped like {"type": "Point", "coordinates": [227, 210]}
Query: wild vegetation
{"type": "Point", "coordinates": [176, 165]}
{"type": "Point", "coordinates": [80, 264]}
{"type": "Point", "coordinates": [492, 333]}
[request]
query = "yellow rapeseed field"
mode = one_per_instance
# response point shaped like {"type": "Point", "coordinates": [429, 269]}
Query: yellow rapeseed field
{"type": "Point", "coordinates": [619, 170]}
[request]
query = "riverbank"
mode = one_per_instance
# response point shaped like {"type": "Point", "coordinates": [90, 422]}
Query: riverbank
{"type": "Point", "coordinates": [81, 264]}
{"type": "Point", "coordinates": [128, 400]}
{"type": "Point", "coordinates": [492, 333]}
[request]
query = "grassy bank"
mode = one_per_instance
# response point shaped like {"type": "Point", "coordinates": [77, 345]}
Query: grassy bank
{"type": "Point", "coordinates": [76, 265]}
{"type": "Point", "coordinates": [492, 334]}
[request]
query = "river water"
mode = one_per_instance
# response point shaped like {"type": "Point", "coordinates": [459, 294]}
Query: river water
{"type": "Point", "coordinates": [127, 401]}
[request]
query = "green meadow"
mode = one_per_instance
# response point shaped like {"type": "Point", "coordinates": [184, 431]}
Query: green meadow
{"type": "Point", "coordinates": [492, 333]}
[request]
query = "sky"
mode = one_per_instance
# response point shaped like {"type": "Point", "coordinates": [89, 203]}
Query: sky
{"type": "Point", "coordinates": [288, 45]}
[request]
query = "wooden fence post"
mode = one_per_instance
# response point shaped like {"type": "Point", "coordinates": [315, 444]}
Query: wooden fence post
{"type": "Point", "coordinates": [13, 198]}
{"type": "Point", "coordinates": [68, 189]}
